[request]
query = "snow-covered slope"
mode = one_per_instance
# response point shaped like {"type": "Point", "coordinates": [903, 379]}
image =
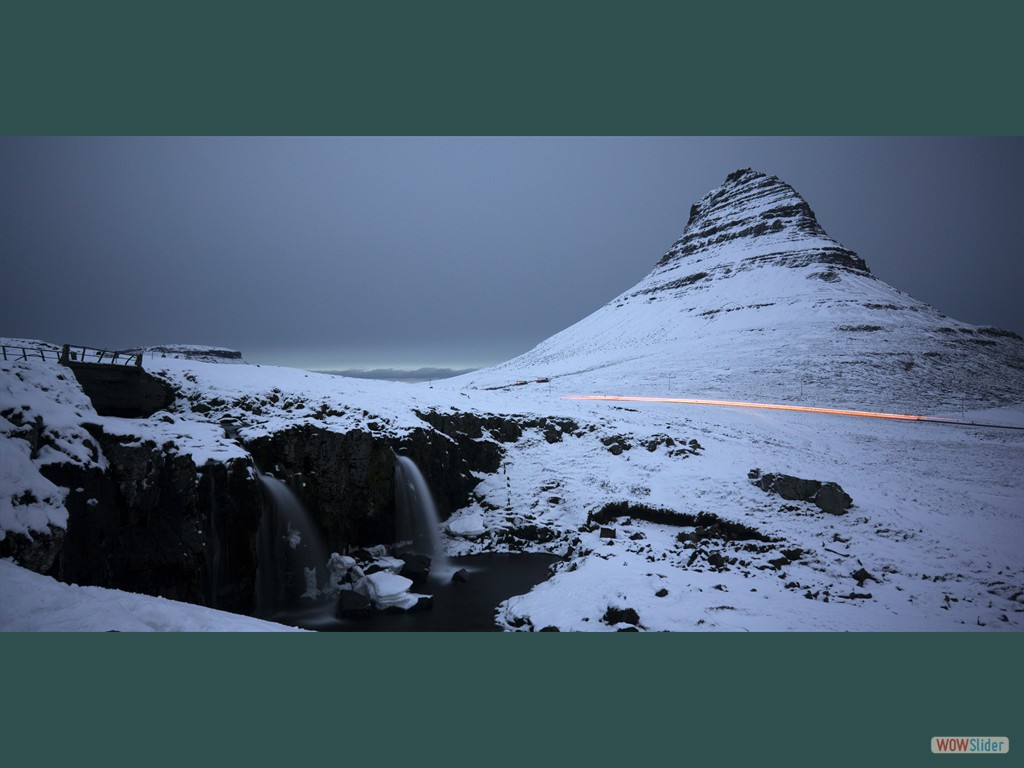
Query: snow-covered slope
{"type": "Point", "coordinates": [30, 602]}
{"type": "Point", "coordinates": [756, 302]}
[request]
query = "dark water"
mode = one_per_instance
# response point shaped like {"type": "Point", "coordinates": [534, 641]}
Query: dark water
{"type": "Point", "coordinates": [458, 607]}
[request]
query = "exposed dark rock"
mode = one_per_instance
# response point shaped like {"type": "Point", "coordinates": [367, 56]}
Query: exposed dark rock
{"type": "Point", "coordinates": [607, 533]}
{"type": "Point", "coordinates": [619, 509]}
{"type": "Point", "coordinates": [832, 499]}
{"type": "Point", "coordinates": [828, 497]}
{"type": "Point", "coordinates": [345, 480]}
{"type": "Point", "coordinates": [681, 282]}
{"type": "Point", "coordinates": [789, 487]}
{"type": "Point", "coordinates": [530, 532]}
{"type": "Point", "coordinates": [461, 576]}
{"type": "Point", "coordinates": [752, 205]}
{"type": "Point", "coordinates": [616, 444]}
{"type": "Point", "coordinates": [155, 524]}
{"type": "Point", "coordinates": [828, 276]}
{"type": "Point", "coordinates": [38, 552]}
{"type": "Point", "coordinates": [549, 628]}
{"type": "Point", "coordinates": [194, 352]}
{"type": "Point", "coordinates": [423, 603]}
{"type": "Point", "coordinates": [554, 428]}
{"type": "Point", "coordinates": [417, 567]}
{"type": "Point", "coordinates": [661, 593]}
{"type": "Point", "coordinates": [352, 605]}
{"type": "Point", "coordinates": [621, 616]}
{"type": "Point", "coordinates": [708, 526]}
{"type": "Point", "coordinates": [716, 560]}
{"type": "Point", "coordinates": [861, 576]}
{"type": "Point", "coordinates": [999, 332]}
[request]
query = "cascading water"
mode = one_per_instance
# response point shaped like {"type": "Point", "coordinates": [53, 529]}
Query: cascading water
{"type": "Point", "coordinates": [213, 550]}
{"type": "Point", "coordinates": [291, 554]}
{"type": "Point", "coordinates": [417, 519]}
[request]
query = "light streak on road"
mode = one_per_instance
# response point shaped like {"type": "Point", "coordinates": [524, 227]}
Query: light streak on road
{"type": "Point", "coordinates": [779, 407]}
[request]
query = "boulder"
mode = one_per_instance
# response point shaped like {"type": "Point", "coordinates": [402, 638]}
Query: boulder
{"type": "Point", "coordinates": [352, 605]}
{"type": "Point", "coordinates": [861, 576]}
{"type": "Point", "coordinates": [621, 616]}
{"type": "Point", "coordinates": [417, 567]}
{"type": "Point", "coordinates": [832, 499]}
{"type": "Point", "coordinates": [827, 496]}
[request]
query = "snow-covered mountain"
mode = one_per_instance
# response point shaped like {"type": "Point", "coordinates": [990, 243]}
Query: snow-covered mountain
{"type": "Point", "coordinates": [756, 301]}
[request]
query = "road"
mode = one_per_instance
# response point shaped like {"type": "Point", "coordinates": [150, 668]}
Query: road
{"type": "Point", "coordinates": [800, 408]}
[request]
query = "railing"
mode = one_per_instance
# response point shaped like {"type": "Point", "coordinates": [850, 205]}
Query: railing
{"type": "Point", "coordinates": [69, 354]}
{"type": "Point", "coordinates": [11, 352]}
{"type": "Point", "coordinates": [79, 354]}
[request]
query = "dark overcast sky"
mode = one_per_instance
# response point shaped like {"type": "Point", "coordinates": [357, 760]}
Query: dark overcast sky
{"type": "Point", "coordinates": [402, 252]}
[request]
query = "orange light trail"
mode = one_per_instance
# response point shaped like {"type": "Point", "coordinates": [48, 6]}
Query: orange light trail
{"type": "Point", "coordinates": [768, 406]}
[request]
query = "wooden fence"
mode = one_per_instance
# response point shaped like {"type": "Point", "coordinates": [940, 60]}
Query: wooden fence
{"type": "Point", "coordinates": [79, 354]}
{"type": "Point", "coordinates": [10, 352]}
{"type": "Point", "coordinates": [69, 354]}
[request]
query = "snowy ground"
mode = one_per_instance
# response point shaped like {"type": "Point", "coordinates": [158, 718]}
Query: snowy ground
{"type": "Point", "coordinates": [30, 602]}
{"type": "Point", "coordinates": [937, 519]}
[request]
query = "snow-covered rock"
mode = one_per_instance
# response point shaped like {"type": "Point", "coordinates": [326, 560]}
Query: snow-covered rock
{"type": "Point", "coordinates": [387, 590]}
{"type": "Point", "coordinates": [469, 526]}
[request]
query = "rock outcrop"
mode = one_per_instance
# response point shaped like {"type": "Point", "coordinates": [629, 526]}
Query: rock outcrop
{"type": "Point", "coordinates": [829, 497]}
{"type": "Point", "coordinates": [155, 523]}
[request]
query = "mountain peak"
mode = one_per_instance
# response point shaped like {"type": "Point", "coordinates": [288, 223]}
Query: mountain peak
{"type": "Point", "coordinates": [754, 215]}
{"type": "Point", "coordinates": [756, 302]}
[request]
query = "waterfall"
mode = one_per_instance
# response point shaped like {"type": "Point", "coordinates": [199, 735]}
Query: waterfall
{"type": "Point", "coordinates": [417, 519]}
{"type": "Point", "coordinates": [291, 554]}
{"type": "Point", "coordinates": [212, 548]}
